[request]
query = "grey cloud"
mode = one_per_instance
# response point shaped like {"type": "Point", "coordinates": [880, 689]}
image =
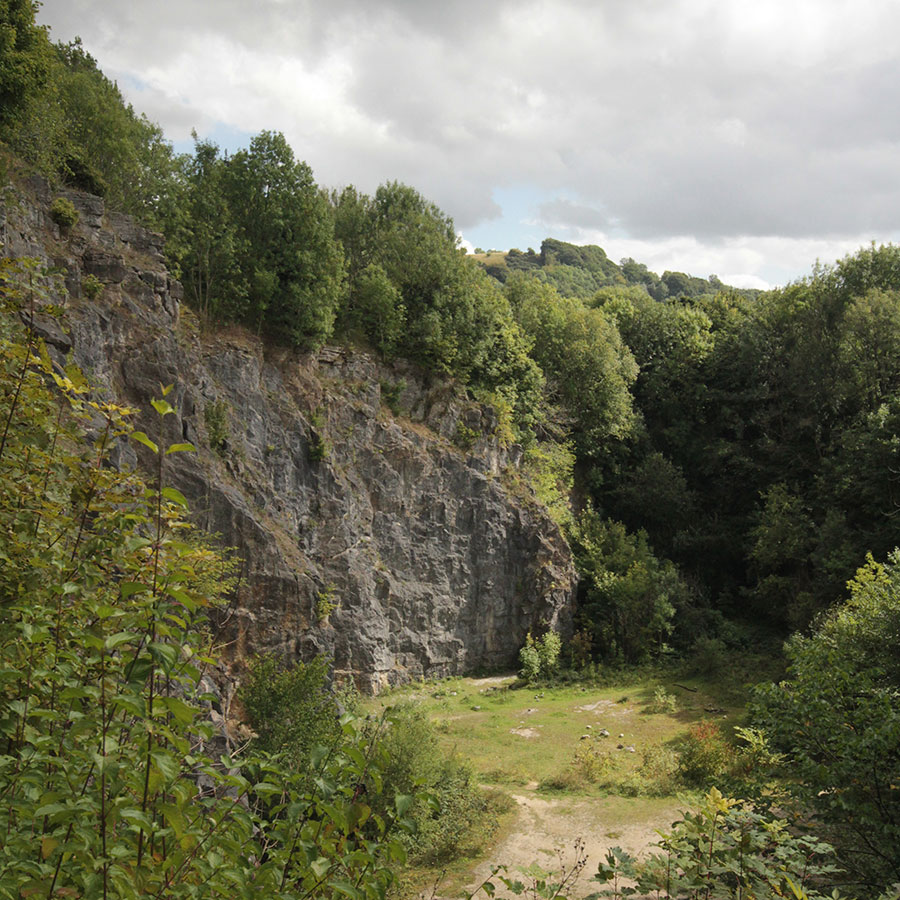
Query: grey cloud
{"type": "Point", "coordinates": [564, 213]}
{"type": "Point", "coordinates": [689, 117]}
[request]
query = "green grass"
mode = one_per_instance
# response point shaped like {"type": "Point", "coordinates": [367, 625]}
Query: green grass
{"type": "Point", "coordinates": [523, 740]}
{"type": "Point", "coordinates": [522, 735]}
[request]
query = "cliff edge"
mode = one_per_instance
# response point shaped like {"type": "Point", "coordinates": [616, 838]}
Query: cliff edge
{"type": "Point", "coordinates": [368, 502]}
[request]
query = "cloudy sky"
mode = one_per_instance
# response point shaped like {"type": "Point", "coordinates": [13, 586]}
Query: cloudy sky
{"type": "Point", "coordinates": [745, 138]}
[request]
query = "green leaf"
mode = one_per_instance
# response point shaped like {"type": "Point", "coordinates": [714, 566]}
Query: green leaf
{"type": "Point", "coordinates": [181, 448]}
{"type": "Point", "coordinates": [137, 817]}
{"type": "Point", "coordinates": [347, 889]}
{"type": "Point", "coordinates": [175, 496]}
{"type": "Point", "coordinates": [165, 654]}
{"type": "Point", "coordinates": [116, 640]}
{"type": "Point", "coordinates": [183, 712]}
{"type": "Point", "coordinates": [403, 802]}
{"type": "Point", "coordinates": [320, 866]}
{"type": "Point", "coordinates": [266, 788]}
{"type": "Point", "coordinates": [163, 407]}
{"type": "Point", "coordinates": [166, 764]}
{"type": "Point", "coordinates": [142, 438]}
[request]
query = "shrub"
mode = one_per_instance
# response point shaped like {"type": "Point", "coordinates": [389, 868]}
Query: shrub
{"type": "Point", "coordinates": [64, 213]}
{"type": "Point", "coordinates": [658, 769]}
{"type": "Point", "coordinates": [529, 660]}
{"type": "Point", "coordinates": [215, 416]}
{"type": "Point", "coordinates": [465, 437]}
{"type": "Point", "coordinates": [723, 851]}
{"type": "Point", "coordinates": [290, 708]}
{"type": "Point", "coordinates": [837, 719]}
{"type": "Point", "coordinates": [415, 762]}
{"type": "Point", "coordinates": [539, 658]}
{"type": "Point", "coordinates": [580, 649]}
{"type": "Point", "coordinates": [663, 702]}
{"type": "Point", "coordinates": [391, 392]}
{"type": "Point", "coordinates": [704, 754]}
{"type": "Point", "coordinates": [91, 287]}
{"type": "Point", "coordinates": [548, 651]}
{"type": "Point", "coordinates": [326, 604]}
{"type": "Point", "coordinates": [318, 448]}
{"type": "Point", "coordinates": [708, 655]}
{"type": "Point", "coordinates": [591, 761]}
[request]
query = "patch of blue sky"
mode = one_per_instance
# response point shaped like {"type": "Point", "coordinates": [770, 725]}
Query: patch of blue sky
{"type": "Point", "coordinates": [228, 139]}
{"type": "Point", "coordinates": [517, 224]}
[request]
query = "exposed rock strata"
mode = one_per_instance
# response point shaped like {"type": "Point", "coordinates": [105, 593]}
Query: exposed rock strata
{"type": "Point", "coordinates": [328, 495]}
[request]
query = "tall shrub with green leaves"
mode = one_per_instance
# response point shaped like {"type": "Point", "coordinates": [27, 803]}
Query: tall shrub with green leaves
{"type": "Point", "coordinates": [291, 708]}
{"type": "Point", "coordinates": [630, 596]}
{"type": "Point", "coordinates": [837, 719]}
{"type": "Point", "coordinates": [725, 850]}
{"type": "Point", "coordinates": [109, 789]}
{"type": "Point", "coordinates": [450, 802]}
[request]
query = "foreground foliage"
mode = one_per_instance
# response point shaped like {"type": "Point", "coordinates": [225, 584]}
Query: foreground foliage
{"type": "Point", "coordinates": [112, 779]}
{"type": "Point", "coordinates": [837, 718]}
{"type": "Point", "coordinates": [724, 850]}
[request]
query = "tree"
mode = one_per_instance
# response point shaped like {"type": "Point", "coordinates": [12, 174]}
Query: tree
{"type": "Point", "coordinates": [291, 269]}
{"type": "Point", "coordinates": [837, 718]}
{"type": "Point", "coordinates": [629, 596]}
{"type": "Point", "coordinates": [580, 350]}
{"type": "Point", "coordinates": [24, 61]}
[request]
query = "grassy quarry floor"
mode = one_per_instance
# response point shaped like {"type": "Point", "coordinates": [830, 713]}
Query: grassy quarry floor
{"type": "Point", "coordinates": [525, 741]}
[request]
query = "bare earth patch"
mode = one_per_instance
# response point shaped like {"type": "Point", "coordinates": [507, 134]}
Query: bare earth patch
{"type": "Point", "coordinates": [525, 732]}
{"type": "Point", "coordinates": [547, 829]}
{"type": "Point", "coordinates": [606, 707]}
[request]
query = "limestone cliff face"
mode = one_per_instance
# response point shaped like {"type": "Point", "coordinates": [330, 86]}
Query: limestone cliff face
{"type": "Point", "coordinates": [335, 476]}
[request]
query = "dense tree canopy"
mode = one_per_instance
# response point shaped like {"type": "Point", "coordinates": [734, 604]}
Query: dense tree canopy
{"type": "Point", "coordinates": [838, 719]}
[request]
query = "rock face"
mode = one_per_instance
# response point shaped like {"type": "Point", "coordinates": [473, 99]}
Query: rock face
{"type": "Point", "coordinates": [364, 530]}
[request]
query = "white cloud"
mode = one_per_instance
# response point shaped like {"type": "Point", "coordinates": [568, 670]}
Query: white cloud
{"type": "Point", "coordinates": [736, 124]}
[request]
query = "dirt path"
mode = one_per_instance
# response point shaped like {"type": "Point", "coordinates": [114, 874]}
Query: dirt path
{"type": "Point", "coordinates": [547, 830]}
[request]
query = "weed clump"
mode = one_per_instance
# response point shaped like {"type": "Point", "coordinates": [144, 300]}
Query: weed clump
{"type": "Point", "coordinates": [63, 212]}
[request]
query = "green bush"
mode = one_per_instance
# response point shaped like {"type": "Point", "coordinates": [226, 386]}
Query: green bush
{"type": "Point", "coordinates": [708, 656]}
{"type": "Point", "coordinates": [391, 392]}
{"type": "Point", "coordinates": [658, 769]}
{"type": "Point", "coordinates": [704, 754]}
{"type": "Point", "coordinates": [837, 720]}
{"type": "Point", "coordinates": [548, 648]}
{"type": "Point", "coordinates": [91, 287]}
{"type": "Point", "coordinates": [663, 702]}
{"type": "Point", "coordinates": [215, 416]}
{"type": "Point", "coordinates": [591, 761]}
{"type": "Point", "coordinates": [318, 447]}
{"type": "Point", "coordinates": [292, 709]}
{"type": "Point", "coordinates": [529, 660]}
{"type": "Point", "coordinates": [63, 212]}
{"type": "Point", "coordinates": [326, 603]}
{"type": "Point", "coordinates": [452, 805]}
{"type": "Point", "coordinates": [539, 658]}
{"type": "Point", "coordinates": [465, 437]}
{"type": "Point", "coordinates": [589, 765]}
{"type": "Point", "coordinates": [725, 851]}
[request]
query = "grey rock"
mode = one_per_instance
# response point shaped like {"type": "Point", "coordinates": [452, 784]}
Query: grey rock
{"type": "Point", "coordinates": [48, 330]}
{"type": "Point", "coordinates": [108, 267]}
